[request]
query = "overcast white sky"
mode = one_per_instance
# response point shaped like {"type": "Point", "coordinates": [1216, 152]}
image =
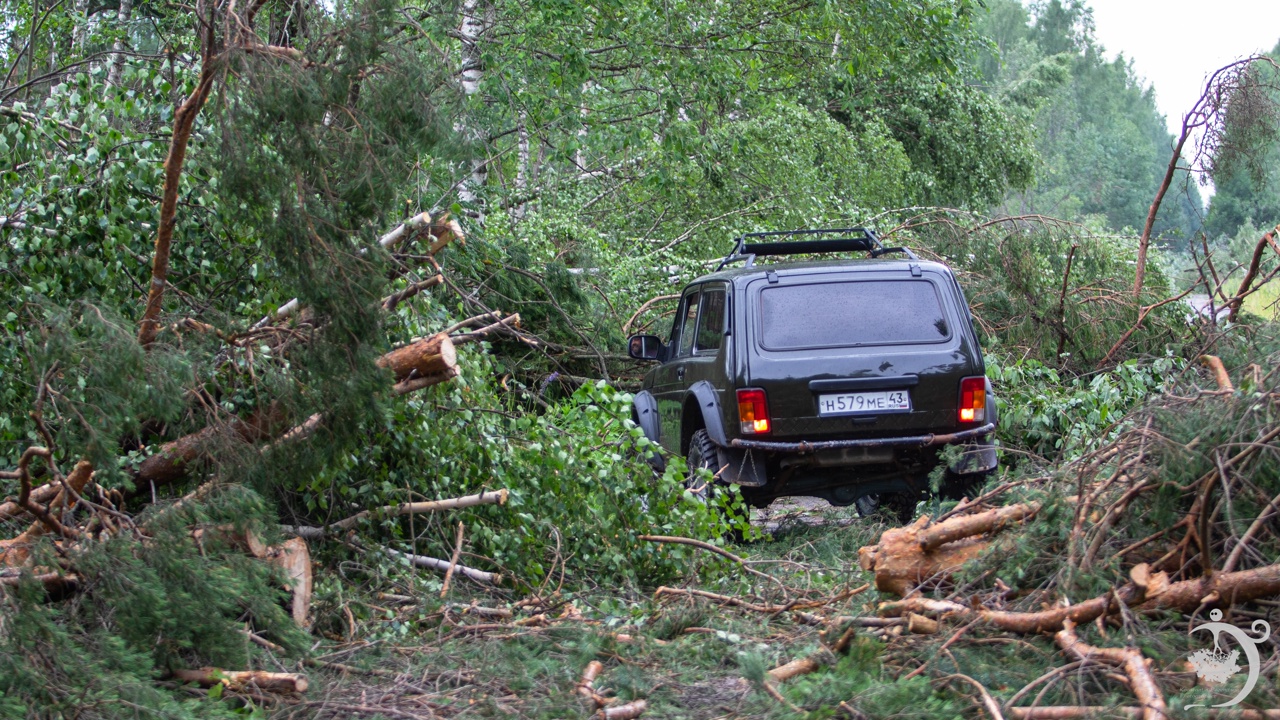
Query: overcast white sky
{"type": "Point", "coordinates": [1175, 44]}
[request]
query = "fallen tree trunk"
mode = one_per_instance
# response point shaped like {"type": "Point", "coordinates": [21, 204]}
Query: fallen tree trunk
{"type": "Point", "coordinates": [1147, 592]}
{"type": "Point", "coordinates": [171, 462]}
{"type": "Point", "coordinates": [1083, 712]}
{"type": "Point", "coordinates": [419, 365]}
{"type": "Point", "coordinates": [245, 679]}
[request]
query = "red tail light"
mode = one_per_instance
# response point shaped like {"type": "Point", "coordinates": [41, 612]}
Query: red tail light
{"type": "Point", "coordinates": [753, 411]}
{"type": "Point", "coordinates": [973, 399]}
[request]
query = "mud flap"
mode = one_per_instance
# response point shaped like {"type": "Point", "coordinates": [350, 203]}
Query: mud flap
{"type": "Point", "coordinates": [978, 457]}
{"type": "Point", "coordinates": [741, 467]}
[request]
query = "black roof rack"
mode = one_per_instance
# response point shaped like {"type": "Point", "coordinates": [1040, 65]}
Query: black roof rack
{"type": "Point", "coordinates": [865, 240]}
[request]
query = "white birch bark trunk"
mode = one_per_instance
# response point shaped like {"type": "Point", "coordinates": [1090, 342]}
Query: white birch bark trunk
{"type": "Point", "coordinates": [82, 25]}
{"type": "Point", "coordinates": [523, 168]}
{"type": "Point", "coordinates": [477, 18]}
{"type": "Point", "coordinates": [580, 157]}
{"type": "Point", "coordinates": [117, 58]}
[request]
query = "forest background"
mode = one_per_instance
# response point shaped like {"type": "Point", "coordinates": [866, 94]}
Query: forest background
{"type": "Point", "coordinates": [217, 220]}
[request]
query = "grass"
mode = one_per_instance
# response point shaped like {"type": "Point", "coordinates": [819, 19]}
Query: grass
{"type": "Point", "coordinates": [1265, 303]}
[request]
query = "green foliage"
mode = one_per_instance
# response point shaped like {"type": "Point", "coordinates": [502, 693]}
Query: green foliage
{"type": "Point", "coordinates": [580, 489]}
{"type": "Point", "coordinates": [144, 607]}
{"type": "Point", "coordinates": [966, 148]}
{"type": "Point", "coordinates": [1024, 300]}
{"type": "Point", "coordinates": [1055, 414]}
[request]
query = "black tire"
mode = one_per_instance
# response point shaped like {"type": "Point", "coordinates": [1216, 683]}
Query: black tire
{"type": "Point", "coordinates": [902, 505]}
{"type": "Point", "coordinates": [702, 455]}
{"type": "Point", "coordinates": [956, 486]}
{"type": "Point", "coordinates": [867, 505]}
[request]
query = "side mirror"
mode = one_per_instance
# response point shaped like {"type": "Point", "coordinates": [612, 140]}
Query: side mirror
{"type": "Point", "coordinates": [645, 347]}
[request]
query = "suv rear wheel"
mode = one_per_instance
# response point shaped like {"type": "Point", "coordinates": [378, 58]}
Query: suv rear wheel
{"type": "Point", "coordinates": [702, 455]}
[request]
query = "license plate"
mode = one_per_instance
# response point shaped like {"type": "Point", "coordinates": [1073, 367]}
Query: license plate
{"type": "Point", "coordinates": [856, 403]}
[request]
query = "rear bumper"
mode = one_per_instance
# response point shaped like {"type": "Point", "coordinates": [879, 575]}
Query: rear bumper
{"type": "Point", "coordinates": [916, 441]}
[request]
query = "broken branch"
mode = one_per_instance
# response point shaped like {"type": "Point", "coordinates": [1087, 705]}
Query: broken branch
{"type": "Point", "coordinates": [480, 576]}
{"type": "Point", "coordinates": [488, 497]}
{"type": "Point", "coordinates": [1136, 667]}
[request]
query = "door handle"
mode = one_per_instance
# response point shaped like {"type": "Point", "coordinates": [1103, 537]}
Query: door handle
{"type": "Point", "coordinates": [680, 373]}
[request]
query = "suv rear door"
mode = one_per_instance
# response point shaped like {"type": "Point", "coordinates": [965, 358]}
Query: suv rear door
{"type": "Point", "coordinates": [871, 351]}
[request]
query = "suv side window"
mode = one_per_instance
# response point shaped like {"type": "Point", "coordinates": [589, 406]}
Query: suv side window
{"type": "Point", "coordinates": [685, 325]}
{"type": "Point", "coordinates": [711, 325]}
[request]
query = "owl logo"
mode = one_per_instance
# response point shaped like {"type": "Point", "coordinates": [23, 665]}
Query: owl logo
{"type": "Point", "coordinates": [1217, 666]}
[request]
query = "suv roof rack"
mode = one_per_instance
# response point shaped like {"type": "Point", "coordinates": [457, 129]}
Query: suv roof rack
{"type": "Point", "coordinates": [865, 241]}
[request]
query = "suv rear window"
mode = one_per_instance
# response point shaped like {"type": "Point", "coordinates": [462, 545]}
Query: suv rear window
{"type": "Point", "coordinates": [849, 314]}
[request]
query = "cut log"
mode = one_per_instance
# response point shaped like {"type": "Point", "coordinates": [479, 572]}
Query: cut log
{"type": "Point", "coordinates": [294, 559]}
{"type": "Point", "coordinates": [420, 383]}
{"type": "Point", "coordinates": [244, 540]}
{"type": "Point", "coordinates": [921, 625]}
{"type": "Point", "coordinates": [630, 711]}
{"type": "Point", "coordinates": [795, 668]}
{"type": "Point", "coordinates": [909, 556]}
{"type": "Point", "coordinates": [245, 679]}
{"type": "Point", "coordinates": [425, 357]}
{"type": "Point", "coordinates": [586, 686]}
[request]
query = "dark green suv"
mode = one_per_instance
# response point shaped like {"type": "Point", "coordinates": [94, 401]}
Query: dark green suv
{"type": "Point", "coordinates": [840, 379]}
